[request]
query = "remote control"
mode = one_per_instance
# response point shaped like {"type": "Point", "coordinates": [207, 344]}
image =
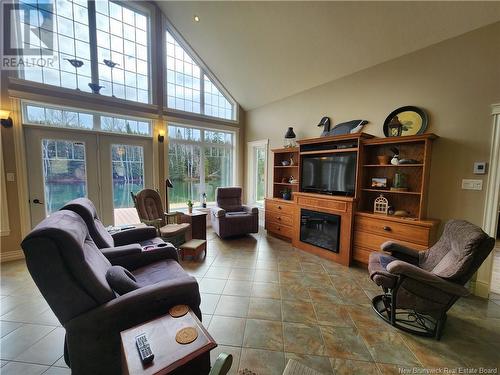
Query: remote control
{"type": "Point", "coordinates": [144, 349]}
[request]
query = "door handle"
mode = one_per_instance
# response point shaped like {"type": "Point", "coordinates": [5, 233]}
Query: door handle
{"type": "Point", "coordinates": [37, 201]}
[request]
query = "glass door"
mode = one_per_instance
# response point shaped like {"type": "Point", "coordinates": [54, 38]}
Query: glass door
{"type": "Point", "coordinates": [62, 165]}
{"type": "Point", "coordinates": [126, 168]}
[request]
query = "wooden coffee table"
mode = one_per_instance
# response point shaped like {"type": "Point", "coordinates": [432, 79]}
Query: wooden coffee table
{"type": "Point", "coordinates": [169, 354]}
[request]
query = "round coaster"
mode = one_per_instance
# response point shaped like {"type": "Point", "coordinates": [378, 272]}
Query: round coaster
{"type": "Point", "coordinates": [186, 335]}
{"type": "Point", "coordinates": [178, 311]}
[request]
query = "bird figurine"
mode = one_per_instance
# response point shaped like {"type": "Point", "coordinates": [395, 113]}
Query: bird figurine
{"type": "Point", "coordinates": [110, 63]}
{"type": "Point", "coordinates": [75, 62]}
{"type": "Point", "coordinates": [395, 157]}
{"type": "Point", "coordinates": [95, 88]}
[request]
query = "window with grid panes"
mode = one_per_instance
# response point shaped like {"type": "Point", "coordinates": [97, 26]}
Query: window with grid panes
{"type": "Point", "coordinates": [121, 49]}
{"type": "Point", "coordinates": [188, 86]}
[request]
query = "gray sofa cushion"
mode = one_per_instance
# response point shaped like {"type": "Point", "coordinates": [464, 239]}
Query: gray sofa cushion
{"type": "Point", "coordinates": [121, 280]}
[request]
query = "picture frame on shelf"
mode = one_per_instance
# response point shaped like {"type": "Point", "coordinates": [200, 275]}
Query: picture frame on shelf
{"type": "Point", "coordinates": [379, 183]}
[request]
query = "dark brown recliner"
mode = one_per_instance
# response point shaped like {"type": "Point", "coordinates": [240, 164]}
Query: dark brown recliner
{"type": "Point", "coordinates": [73, 276]}
{"type": "Point", "coordinates": [420, 287]}
{"type": "Point", "coordinates": [230, 217]}
{"type": "Point", "coordinates": [169, 225]}
{"type": "Point", "coordinates": [130, 248]}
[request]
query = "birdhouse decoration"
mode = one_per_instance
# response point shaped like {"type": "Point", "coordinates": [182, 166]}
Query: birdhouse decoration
{"type": "Point", "coordinates": [381, 205]}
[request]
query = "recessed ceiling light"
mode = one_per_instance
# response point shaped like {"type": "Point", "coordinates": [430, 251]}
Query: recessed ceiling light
{"type": "Point", "coordinates": [196, 19]}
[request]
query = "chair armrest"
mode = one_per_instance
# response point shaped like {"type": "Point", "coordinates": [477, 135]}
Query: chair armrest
{"type": "Point", "coordinates": [218, 212]}
{"type": "Point", "coordinates": [135, 235]}
{"type": "Point", "coordinates": [399, 267]}
{"type": "Point", "coordinates": [222, 365]}
{"type": "Point", "coordinates": [393, 247]}
{"type": "Point", "coordinates": [121, 251]}
{"type": "Point", "coordinates": [136, 307]}
{"type": "Point", "coordinates": [160, 252]}
{"type": "Point", "coordinates": [250, 210]}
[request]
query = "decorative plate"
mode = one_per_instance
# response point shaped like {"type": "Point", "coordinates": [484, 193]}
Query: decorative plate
{"type": "Point", "coordinates": [413, 119]}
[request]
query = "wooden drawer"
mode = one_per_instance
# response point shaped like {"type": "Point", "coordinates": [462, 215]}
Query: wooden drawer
{"type": "Point", "coordinates": [323, 203]}
{"type": "Point", "coordinates": [279, 229]}
{"type": "Point", "coordinates": [372, 241]}
{"type": "Point", "coordinates": [361, 254]}
{"type": "Point", "coordinates": [279, 218]}
{"type": "Point", "coordinates": [394, 230]}
{"type": "Point", "coordinates": [279, 207]}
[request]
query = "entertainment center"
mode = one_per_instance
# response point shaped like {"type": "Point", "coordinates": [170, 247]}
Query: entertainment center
{"type": "Point", "coordinates": [334, 182]}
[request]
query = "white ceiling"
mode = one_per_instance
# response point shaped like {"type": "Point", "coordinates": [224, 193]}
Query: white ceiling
{"type": "Point", "coordinates": [265, 51]}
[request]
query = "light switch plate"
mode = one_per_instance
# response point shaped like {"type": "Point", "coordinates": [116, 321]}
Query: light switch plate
{"type": "Point", "coordinates": [480, 167]}
{"type": "Point", "coordinates": [11, 177]}
{"type": "Point", "coordinates": [469, 184]}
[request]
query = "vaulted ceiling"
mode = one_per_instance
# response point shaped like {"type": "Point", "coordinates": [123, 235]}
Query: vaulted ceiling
{"type": "Point", "coordinates": [265, 51]}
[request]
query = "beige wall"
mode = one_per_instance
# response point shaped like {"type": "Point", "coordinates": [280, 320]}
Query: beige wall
{"type": "Point", "coordinates": [456, 81]}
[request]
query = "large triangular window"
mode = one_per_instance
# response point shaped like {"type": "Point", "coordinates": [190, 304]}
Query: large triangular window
{"type": "Point", "coordinates": [189, 89]}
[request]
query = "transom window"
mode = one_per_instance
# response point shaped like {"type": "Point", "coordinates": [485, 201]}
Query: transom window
{"type": "Point", "coordinates": [189, 88]}
{"type": "Point", "coordinates": [121, 51]}
{"type": "Point", "coordinates": [64, 117]}
{"type": "Point", "coordinates": [200, 160]}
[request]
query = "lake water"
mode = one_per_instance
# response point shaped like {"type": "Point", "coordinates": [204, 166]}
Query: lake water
{"type": "Point", "coordinates": [58, 194]}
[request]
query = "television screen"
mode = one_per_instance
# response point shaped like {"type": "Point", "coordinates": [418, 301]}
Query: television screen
{"type": "Point", "coordinates": [333, 174]}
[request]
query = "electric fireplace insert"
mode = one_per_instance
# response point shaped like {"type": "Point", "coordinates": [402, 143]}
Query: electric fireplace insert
{"type": "Point", "coordinates": [320, 229]}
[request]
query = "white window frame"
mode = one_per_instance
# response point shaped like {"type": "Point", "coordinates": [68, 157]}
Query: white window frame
{"type": "Point", "coordinates": [204, 71]}
{"type": "Point", "coordinates": [202, 144]}
{"type": "Point", "coordinates": [252, 170]}
{"type": "Point", "coordinates": [95, 129]}
{"type": "Point", "coordinates": [4, 211]}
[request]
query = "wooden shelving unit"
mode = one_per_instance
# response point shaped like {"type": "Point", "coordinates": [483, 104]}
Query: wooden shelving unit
{"type": "Point", "coordinates": [281, 171]}
{"type": "Point", "coordinates": [414, 200]}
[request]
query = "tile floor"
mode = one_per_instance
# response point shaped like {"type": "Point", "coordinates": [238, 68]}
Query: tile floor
{"type": "Point", "coordinates": [265, 302]}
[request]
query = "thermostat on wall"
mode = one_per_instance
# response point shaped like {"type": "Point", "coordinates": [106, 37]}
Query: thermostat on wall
{"type": "Point", "coordinates": [480, 167]}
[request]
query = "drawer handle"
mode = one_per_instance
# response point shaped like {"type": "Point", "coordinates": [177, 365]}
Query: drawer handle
{"type": "Point", "coordinates": [279, 229]}
{"type": "Point", "coordinates": [279, 217]}
{"type": "Point", "coordinates": [279, 207]}
{"type": "Point", "coordinates": [387, 229]}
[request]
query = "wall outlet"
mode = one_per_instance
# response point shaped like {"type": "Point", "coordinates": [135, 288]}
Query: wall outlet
{"type": "Point", "coordinates": [11, 177]}
{"type": "Point", "coordinates": [468, 184]}
{"type": "Point", "coordinates": [480, 167]}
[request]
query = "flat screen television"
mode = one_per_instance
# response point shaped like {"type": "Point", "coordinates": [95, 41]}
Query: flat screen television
{"type": "Point", "coordinates": [333, 174]}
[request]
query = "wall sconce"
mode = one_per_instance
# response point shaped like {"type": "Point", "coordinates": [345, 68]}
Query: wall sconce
{"type": "Point", "coordinates": [5, 119]}
{"type": "Point", "coordinates": [161, 136]}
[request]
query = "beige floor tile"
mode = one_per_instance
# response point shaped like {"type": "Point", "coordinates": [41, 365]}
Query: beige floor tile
{"type": "Point", "coordinates": [46, 351]}
{"type": "Point", "coordinates": [265, 308]}
{"type": "Point", "coordinates": [227, 330]}
{"type": "Point", "coordinates": [233, 306]}
{"type": "Point", "coordinates": [16, 342]}
{"type": "Point", "coordinates": [303, 339]}
{"type": "Point", "coordinates": [262, 361]}
{"type": "Point", "coordinates": [263, 334]}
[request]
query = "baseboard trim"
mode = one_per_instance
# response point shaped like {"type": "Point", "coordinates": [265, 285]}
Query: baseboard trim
{"type": "Point", "coordinates": [481, 289]}
{"type": "Point", "coordinates": [9, 256]}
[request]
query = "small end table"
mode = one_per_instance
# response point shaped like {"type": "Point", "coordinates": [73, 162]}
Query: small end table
{"type": "Point", "coordinates": [170, 356]}
{"type": "Point", "coordinates": [198, 221]}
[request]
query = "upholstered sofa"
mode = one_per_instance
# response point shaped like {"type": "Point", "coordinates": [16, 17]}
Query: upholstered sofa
{"type": "Point", "coordinates": [95, 301]}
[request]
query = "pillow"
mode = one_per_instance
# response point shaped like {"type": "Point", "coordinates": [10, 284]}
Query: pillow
{"type": "Point", "coordinates": [121, 280]}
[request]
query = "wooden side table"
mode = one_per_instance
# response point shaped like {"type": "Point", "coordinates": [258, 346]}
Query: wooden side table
{"type": "Point", "coordinates": [170, 356]}
{"type": "Point", "coordinates": [198, 221]}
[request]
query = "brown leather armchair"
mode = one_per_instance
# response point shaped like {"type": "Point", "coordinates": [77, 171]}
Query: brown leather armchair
{"type": "Point", "coordinates": [230, 217]}
{"type": "Point", "coordinates": [76, 280]}
{"type": "Point", "coordinates": [169, 225]}
{"type": "Point", "coordinates": [420, 287]}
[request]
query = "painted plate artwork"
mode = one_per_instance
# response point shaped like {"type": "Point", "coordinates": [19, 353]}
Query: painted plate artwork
{"type": "Point", "coordinates": [413, 119]}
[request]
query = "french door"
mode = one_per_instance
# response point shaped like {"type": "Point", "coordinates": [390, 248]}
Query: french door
{"type": "Point", "coordinates": [64, 165]}
{"type": "Point", "coordinates": [126, 167]}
